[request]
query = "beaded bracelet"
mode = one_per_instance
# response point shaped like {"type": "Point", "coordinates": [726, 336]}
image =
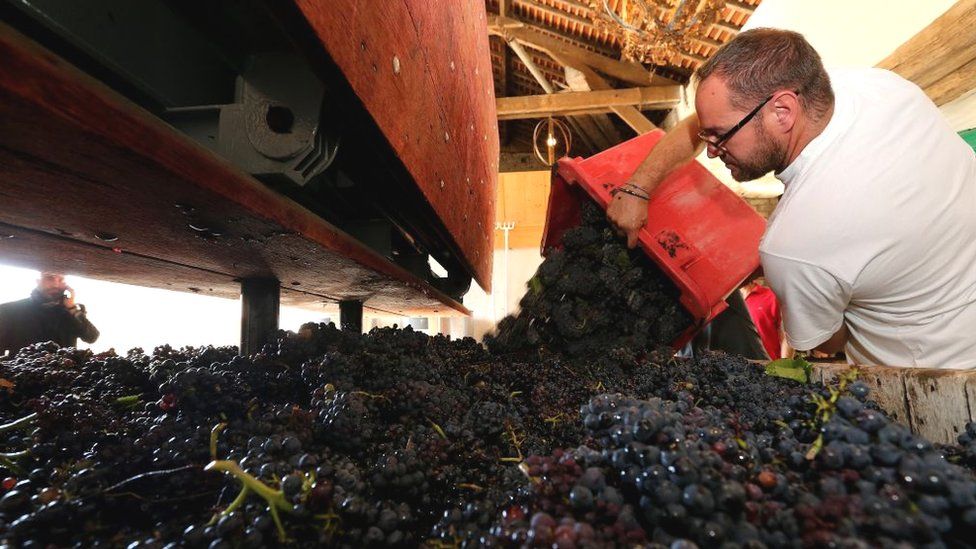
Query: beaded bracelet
{"type": "Point", "coordinates": [628, 191]}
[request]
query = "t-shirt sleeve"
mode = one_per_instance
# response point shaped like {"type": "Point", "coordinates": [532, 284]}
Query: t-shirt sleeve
{"type": "Point", "coordinates": [812, 300]}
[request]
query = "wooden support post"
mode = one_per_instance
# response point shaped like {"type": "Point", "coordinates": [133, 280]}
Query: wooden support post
{"type": "Point", "coordinates": [260, 298]}
{"type": "Point", "coordinates": [351, 316]}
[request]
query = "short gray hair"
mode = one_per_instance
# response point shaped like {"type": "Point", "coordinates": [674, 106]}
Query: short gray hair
{"type": "Point", "coordinates": [760, 61]}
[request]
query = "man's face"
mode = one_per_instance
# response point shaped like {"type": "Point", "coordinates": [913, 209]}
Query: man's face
{"type": "Point", "coordinates": [751, 152]}
{"type": "Point", "coordinates": [51, 285]}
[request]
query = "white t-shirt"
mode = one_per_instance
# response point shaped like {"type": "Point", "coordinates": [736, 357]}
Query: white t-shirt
{"type": "Point", "coordinates": [877, 228]}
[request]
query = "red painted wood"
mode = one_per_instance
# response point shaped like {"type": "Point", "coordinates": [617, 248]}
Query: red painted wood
{"type": "Point", "coordinates": [423, 71]}
{"type": "Point", "coordinates": [78, 160]}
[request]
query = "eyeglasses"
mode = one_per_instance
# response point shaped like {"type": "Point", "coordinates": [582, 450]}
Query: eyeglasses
{"type": "Point", "coordinates": [718, 141]}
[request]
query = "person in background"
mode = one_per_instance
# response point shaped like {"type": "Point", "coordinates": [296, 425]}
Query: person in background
{"type": "Point", "coordinates": [49, 314]}
{"type": "Point", "coordinates": [764, 310]}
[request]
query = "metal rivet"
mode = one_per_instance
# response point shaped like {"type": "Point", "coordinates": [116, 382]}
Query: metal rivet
{"type": "Point", "coordinates": [452, 66]}
{"type": "Point", "coordinates": [442, 183]}
{"type": "Point", "coordinates": [396, 65]}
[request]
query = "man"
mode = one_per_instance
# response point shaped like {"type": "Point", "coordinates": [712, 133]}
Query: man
{"type": "Point", "coordinates": [872, 248]}
{"type": "Point", "coordinates": [49, 314]}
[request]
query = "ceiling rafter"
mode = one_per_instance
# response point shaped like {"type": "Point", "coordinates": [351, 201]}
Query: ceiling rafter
{"type": "Point", "coordinates": [549, 28]}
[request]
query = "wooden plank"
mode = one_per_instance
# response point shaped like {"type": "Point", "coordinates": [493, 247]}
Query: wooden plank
{"type": "Point", "coordinates": [586, 102]}
{"type": "Point", "coordinates": [80, 162]}
{"type": "Point", "coordinates": [939, 51]}
{"type": "Point", "coordinates": [933, 403]}
{"type": "Point", "coordinates": [424, 74]}
{"type": "Point", "coordinates": [54, 252]}
{"type": "Point", "coordinates": [633, 73]}
{"type": "Point", "coordinates": [937, 401]}
{"type": "Point", "coordinates": [954, 85]}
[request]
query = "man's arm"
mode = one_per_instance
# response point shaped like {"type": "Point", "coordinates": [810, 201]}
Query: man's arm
{"type": "Point", "coordinates": [836, 342]}
{"type": "Point", "coordinates": [812, 300]}
{"type": "Point", "coordinates": [83, 327]}
{"type": "Point", "coordinates": [785, 349]}
{"type": "Point", "coordinates": [628, 213]}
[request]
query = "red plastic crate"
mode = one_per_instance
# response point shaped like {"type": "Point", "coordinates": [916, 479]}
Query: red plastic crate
{"type": "Point", "coordinates": [701, 234]}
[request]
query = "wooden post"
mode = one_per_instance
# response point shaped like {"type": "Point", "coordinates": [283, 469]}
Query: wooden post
{"type": "Point", "coordinates": [351, 316]}
{"type": "Point", "coordinates": [260, 298]}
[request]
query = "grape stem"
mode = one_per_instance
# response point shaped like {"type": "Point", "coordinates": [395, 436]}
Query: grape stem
{"type": "Point", "coordinates": [214, 434]}
{"type": "Point", "coordinates": [18, 423]}
{"type": "Point", "coordinates": [8, 461]}
{"type": "Point", "coordinates": [130, 400]}
{"type": "Point", "coordinates": [149, 474]}
{"type": "Point", "coordinates": [275, 498]}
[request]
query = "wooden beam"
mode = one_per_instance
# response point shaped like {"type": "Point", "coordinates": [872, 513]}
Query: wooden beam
{"type": "Point", "coordinates": [527, 35]}
{"type": "Point", "coordinates": [586, 79]}
{"type": "Point", "coordinates": [588, 102]}
{"type": "Point", "coordinates": [585, 129]}
{"type": "Point", "coordinates": [942, 51]}
{"type": "Point", "coordinates": [533, 68]}
{"type": "Point", "coordinates": [66, 176]}
{"type": "Point", "coordinates": [954, 85]}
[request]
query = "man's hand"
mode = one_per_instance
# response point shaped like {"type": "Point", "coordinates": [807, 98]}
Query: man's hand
{"type": "Point", "coordinates": [628, 215]}
{"type": "Point", "coordinates": [69, 298]}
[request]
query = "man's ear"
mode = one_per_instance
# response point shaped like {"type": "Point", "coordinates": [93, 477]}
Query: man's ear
{"type": "Point", "coordinates": [786, 110]}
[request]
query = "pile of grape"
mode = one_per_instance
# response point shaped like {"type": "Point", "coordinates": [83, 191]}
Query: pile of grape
{"type": "Point", "coordinates": [395, 438]}
{"type": "Point", "coordinates": [546, 437]}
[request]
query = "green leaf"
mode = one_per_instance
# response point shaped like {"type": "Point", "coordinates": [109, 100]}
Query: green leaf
{"type": "Point", "coordinates": [797, 369]}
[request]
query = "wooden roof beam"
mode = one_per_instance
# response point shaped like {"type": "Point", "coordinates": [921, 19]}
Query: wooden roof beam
{"type": "Point", "coordinates": [941, 58]}
{"type": "Point", "coordinates": [527, 35]}
{"type": "Point", "coordinates": [586, 102]}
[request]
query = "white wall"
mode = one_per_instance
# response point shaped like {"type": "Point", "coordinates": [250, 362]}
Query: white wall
{"type": "Point", "coordinates": [850, 32]}
{"type": "Point", "coordinates": [507, 290]}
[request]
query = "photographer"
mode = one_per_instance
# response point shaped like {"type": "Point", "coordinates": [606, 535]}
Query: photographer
{"type": "Point", "coordinates": [49, 314]}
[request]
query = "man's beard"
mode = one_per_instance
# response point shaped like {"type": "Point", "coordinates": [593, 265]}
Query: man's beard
{"type": "Point", "coordinates": [766, 159]}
